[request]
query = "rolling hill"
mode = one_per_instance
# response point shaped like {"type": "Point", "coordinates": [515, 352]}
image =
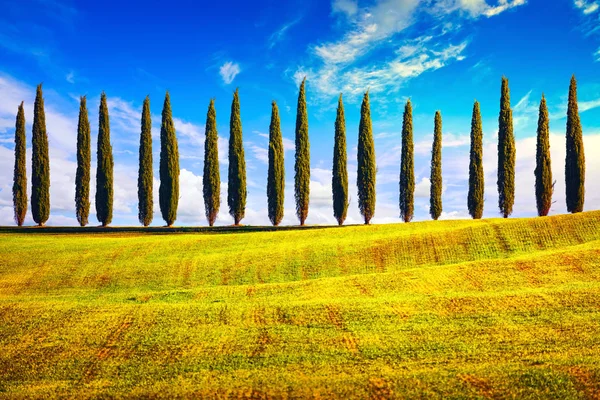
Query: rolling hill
{"type": "Point", "coordinates": [476, 309]}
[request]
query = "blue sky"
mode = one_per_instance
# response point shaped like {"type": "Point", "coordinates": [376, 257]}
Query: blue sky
{"type": "Point", "coordinates": [441, 54]}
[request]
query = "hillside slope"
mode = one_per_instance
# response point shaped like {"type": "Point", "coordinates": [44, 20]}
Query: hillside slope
{"type": "Point", "coordinates": [493, 308]}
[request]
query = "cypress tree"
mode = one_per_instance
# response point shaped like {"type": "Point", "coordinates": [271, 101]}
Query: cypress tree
{"type": "Point", "coordinates": [367, 170]}
{"type": "Point", "coordinates": [168, 192]}
{"type": "Point", "coordinates": [276, 176]}
{"type": "Point", "coordinates": [506, 154]}
{"type": "Point", "coordinates": [544, 187]}
{"type": "Point", "coordinates": [435, 203]}
{"type": "Point", "coordinates": [236, 188]}
{"type": "Point", "coordinates": [145, 175]}
{"type": "Point", "coordinates": [339, 182]}
{"type": "Point", "coordinates": [302, 162]}
{"type": "Point", "coordinates": [476, 178]}
{"type": "Point", "coordinates": [84, 160]}
{"type": "Point", "coordinates": [40, 163]}
{"type": "Point", "coordinates": [211, 180]}
{"type": "Point", "coordinates": [104, 171]}
{"type": "Point", "coordinates": [407, 167]}
{"type": "Point", "coordinates": [20, 172]}
{"type": "Point", "coordinates": [575, 160]}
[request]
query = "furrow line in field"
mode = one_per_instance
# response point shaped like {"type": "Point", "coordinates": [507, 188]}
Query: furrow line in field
{"type": "Point", "coordinates": [107, 349]}
{"type": "Point", "coordinates": [349, 340]}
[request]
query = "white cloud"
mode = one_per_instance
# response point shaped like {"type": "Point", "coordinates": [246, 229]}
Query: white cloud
{"type": "Point", "coordinates": [423, 188]}
{"type": "Point", "coordinates": [589, 24]}
{"type": "Point", "coordinates": [586, 6]}
{"type": "Point", "coordinates": [229, 71]}
{"type": "Point", "coordinates": [338, 65]}
{"type": "Point", "coordinates": [387, 77]}
{"type": "Point", "coordinates": [502, 6]}
{"type": "Point", "coordinates": [477, 8]}
{"type": "Point", "coordinates": [70, 77]}
{"type": "Point", "coordinates": [449, 140]}
{"type": "Point", "coordinates": [386, 18]}
{"type": "Point", "coordinates": [349, 8]}
{"type": "Point", "coordinates": [378, 22]}
{"type": "Point", "coordinates": [189, 131]}
{"type": "Point", "coordinates": [261, 153]}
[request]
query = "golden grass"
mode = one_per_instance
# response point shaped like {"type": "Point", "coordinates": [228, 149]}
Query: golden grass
{"type": "Point", "coordinates": [463, 309]}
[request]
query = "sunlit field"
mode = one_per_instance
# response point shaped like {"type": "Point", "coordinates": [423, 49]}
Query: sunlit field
{"type": "Point", "coordinates": [477, 309]}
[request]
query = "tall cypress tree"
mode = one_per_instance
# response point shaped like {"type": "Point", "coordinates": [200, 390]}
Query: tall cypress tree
{"type": "Point", "coordinates": [506, 154]}
{"type": "Point", "coordinates": [104, 171]}
{"type": "Point", "coordinates": [168, 192]}
{"type": "Point", "coordinates": [236, 188]}
{"type": "Point", "coordinates": [145, 175]}
{"type": "Point", "coordinates": [339, 181]}
{"type": "Point", "coordinates": [20, 172]}
{"type": "Point", "coordinates": [276, 175]}
{"type": "Point", "coordinates": [544, 187]}
{"type": "Point", "coordinates": [575, 160]}
{"type": "Point", "coordinates": [407, 167]}
{"type": "Point", "coordinates": [302, 164]}
{"type": "Point", "coordinates": [435, 202]}
{"type": "Point", "coordinates": [40, 163]}
{"type": "Point", "coordinates": [84, 161]}
{"type": "Point", "coordinates": [211, 179]}
{"type": "Point", "coordinates": [367, 170]}
{"type": "Point", "coordinates": [476, 177]}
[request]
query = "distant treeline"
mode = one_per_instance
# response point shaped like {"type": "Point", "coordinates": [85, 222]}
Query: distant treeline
{"type": "Point", "coordinates": [236, 188]}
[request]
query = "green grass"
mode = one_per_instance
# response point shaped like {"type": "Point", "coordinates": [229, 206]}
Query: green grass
{"type": "Point", "coordinates": [456, 309]}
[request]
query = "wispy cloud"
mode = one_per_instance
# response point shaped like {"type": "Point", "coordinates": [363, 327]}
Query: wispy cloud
{"type": "Point", "coordinates": [589, 105]}
{"type": "Point", "coordinates": [280, 33]}
{"type": "Point", "coordinates": [503, 5]}
{"type": "Point", "coordinates": [229, 71]}
{"type": "Point", "coordinates": [525, 111]}
{"type": "Point", "coordinates": [261, 153]}
{"type": "Point", "coordinates": [384, 77]}
{"type": "Point", "coordinates": [590, 24]}
{"type": "Point", "coordinates": [343, 65]}
{"type": "Point", "coordinates": [372, 25]}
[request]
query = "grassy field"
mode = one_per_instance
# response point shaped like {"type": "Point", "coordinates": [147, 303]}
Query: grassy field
{"type": "Point", "coordinates": [455, 309]}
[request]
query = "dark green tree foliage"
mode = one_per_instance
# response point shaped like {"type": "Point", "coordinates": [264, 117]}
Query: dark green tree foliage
{"type": "Point", "coordinates": [40, 163]}
{"type": "Point", "coordinates": [236, 188]}
{"type": "Point", "coordinates": [407, 167]}
{"type": "Point", "coordinates": [145, 175]}
{"type": "Point", "coordinates": [302, 164]}
{"type": "Point", "coordinates": [339, 181]}
{"type": "Point", "coordinates": [506, 154]}
{"type": "Point", "coordinates": [367, 170]}
{"type": "Point", "coordinates": [476, 178]}
{"type": "Point", "coordinates": [168, 192]}
{"type": "Point", "coordinates": [104, 171]}
{"type": "Point", "coordinates": [211, 180]}
{"type": "Point", "coordinates": [435, 202]}
{"type": "Point", "coordinates": [276, 175]}
{"type": "Point", "coordinates": [84, 161]}
{"type": "Point", "coordinates": [544, 186]}
{"type": "Point", "coordinates": [20, 173]}
{"type": "Point", "coordinates": [575, 160]}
